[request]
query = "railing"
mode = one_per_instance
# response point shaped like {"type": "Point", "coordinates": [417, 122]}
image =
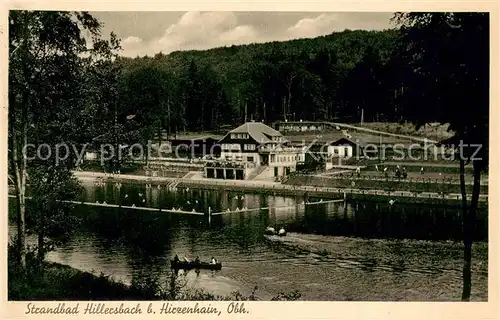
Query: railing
{"type": "Point", "coordinates": [280, 149]}
{"type": "Point", "coordinates": [363, 177]}
{"type": "Point", "coordinates": [227, 165]}
{"type": "Point", "coordinates": [333, 190]}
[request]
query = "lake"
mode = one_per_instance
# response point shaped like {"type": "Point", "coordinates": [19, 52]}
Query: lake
{"type": "Point", "coordinates": [336, 251]}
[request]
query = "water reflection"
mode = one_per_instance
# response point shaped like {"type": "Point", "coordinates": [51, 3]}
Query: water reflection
{"type": "Point", "coordinates": [355, 250]}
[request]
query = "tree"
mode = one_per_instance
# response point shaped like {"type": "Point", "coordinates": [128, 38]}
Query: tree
{"type": "Point", "coordinates": [52, 187]}
{"type": "Point", "coordinates": [447, 55]}
{"type": "Point", "coordinates": [46, 52]}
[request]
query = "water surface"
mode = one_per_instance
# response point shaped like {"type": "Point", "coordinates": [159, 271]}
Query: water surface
{"type": "Point", "coordinates": [336, 251]}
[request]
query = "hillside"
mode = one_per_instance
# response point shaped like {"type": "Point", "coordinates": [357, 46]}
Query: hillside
{"type": "Point", "coordinates": [323, 78]}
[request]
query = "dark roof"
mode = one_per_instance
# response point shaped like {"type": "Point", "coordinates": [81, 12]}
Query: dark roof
{"type": "Point", "coordinates": [257, 130]}
{"type": "Point", "coordinates": [348, 141]}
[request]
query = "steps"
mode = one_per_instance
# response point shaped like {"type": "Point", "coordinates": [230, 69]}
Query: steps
{"type": "Point", "coordinates": [263, 173]}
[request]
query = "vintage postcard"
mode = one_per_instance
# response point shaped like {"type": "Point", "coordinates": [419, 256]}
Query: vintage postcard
{"type": "Point", "coordinates": [206, 158]}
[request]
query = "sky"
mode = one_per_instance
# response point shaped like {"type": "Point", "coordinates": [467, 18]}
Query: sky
{"type": "Point", "coordinates": [147, 33]}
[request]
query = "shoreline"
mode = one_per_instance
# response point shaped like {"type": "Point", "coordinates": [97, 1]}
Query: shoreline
{"type": "Point", "coordinates": [283, 189]}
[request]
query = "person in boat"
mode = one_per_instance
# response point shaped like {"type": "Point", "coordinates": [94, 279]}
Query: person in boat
{"type": "Point", "coordinates": [186, 259]}
{"type": "Point", "coordinates": [270, 231]}
{"type": "Point", "coordinates": [213, 261]}
{"type": "Point", "coordinates": [282, 231]}
{"type": "Point", "coordinates": [176, 258]}
{"type": "Point", "coordinates": [197, 260]}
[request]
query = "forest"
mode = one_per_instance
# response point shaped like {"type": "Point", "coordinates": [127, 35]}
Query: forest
{"type": "Point", "coordinates": [331, 77]}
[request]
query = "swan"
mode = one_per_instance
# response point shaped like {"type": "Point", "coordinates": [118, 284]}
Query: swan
{"type": "Point", "coordinates": [391, 202]}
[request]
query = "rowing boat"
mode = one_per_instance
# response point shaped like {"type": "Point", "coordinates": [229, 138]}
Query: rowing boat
{"type": "Point", "coordinates": [194, 265]}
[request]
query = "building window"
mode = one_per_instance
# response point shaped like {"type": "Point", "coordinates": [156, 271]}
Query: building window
{"type": "Point", "coordinates": [249, 147]}
{"type": "Point", "coordinates": [250, 159]}
{"type": "Point", "coordinates": [346, 152]}
{"type": "Point", "coordinates": [273, 158]}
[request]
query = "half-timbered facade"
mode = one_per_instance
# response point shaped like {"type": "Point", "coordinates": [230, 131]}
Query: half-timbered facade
{"type": "Point", "coordinates": [252, 146]}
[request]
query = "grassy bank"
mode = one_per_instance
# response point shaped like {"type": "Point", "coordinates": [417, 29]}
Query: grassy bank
{"type": "Point", "coordinates": [430, 131]}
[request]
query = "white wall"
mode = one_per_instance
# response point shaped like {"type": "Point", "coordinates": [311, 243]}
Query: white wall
{"type": "Point", "coordinates": [243, 155]}
{"type": "Point", "coordinates": [285, 159]}
{"type": "Point", "coordinates": [341, 151]}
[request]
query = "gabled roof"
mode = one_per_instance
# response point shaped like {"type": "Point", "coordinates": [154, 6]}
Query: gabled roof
{"type": "Point", "coordinates": [257, 131]}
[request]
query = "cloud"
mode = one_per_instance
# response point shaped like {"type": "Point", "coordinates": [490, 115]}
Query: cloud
{"type": "Point", "coordinates": [334, 22]}
{"type": "Point", "coordinates": [240, 35]}
{"type": "Point", "coordinates": [309, 27]}
{"type": "Point", "coordinates": [131, 40]}
{"type": "Point", "coordinates": [204, 30]}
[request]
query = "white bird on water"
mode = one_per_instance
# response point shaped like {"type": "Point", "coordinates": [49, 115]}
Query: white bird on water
{"type": "Point", "coordinates": [228, 210]}
{"type": "Point", "coordinates": [140, 194]}
{"type": "Point", "coordinates": [126, 196]}
{"type": "Point", "coordinates": [391, 202]}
